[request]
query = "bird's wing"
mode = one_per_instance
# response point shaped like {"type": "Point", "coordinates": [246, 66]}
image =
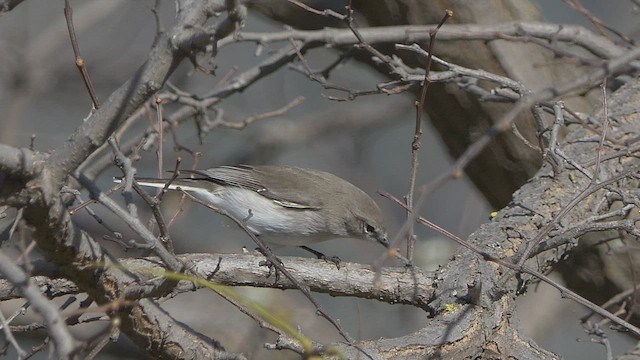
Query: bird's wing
{"type": "Point", "coordinates": [281, 189]}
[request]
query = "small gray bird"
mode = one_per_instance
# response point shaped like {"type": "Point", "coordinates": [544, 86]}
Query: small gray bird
{"type": "Point", "coordinates": [286, 205]}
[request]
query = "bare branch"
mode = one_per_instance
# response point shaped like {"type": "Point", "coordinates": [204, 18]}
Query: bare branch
{"type": "Point", "coordinates": [395, 285]}
{"type": "Point", "coordinates": [517, 31]}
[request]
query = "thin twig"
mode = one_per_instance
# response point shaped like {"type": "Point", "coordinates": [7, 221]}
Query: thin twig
{"type": "Point", "coordinates": [160, 128]}
{"type": "Point", "coordinates": [9, 335]}
{"type": "Point", "coordinates": [80, 62]}
{"type": "Point", "coordinates": [90, 211]}
{"type": "Point", "coordinates": [605, 128]}
{"type": "Point", "coordinates": [253, 118]}
{"type": "Point", "coordinates": [597, 23]}
{"type": "Point", "coordinates": [417, 135]}
{"type": "Point", "coordinates": [325, 12]}
{"type": "Point", "coordinates": [157, 11]}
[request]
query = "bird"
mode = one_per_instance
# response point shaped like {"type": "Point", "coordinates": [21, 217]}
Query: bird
{"type": "Point", "coordinates": [285, 205]}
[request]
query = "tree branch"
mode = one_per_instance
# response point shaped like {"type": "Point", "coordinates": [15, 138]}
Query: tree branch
{"type": "Point", "coordinates": [512, 31]}
{"type": "Point", "coordinates": [394, 285]}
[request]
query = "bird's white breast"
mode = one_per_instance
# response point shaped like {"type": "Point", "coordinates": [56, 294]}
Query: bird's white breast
{"type": "Point", "coordinates": [274, 223]}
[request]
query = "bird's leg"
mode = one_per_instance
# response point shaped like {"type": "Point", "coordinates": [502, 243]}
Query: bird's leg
{"type": "Point", "coordinates": [334, 259]}
{"type": "Point", "coordinates": [268, 263]}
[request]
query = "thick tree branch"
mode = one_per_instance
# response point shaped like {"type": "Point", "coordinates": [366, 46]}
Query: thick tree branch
{"type": "Point", "coordinates": [20, 162]}
{"type": "Point", "coordinates": [394, 285]}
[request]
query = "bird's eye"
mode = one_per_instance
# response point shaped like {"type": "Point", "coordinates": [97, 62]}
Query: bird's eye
{"type": "Point", "coordinates": [369, 229]}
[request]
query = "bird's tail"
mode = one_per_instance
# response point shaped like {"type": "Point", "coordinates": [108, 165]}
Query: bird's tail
{"type": "Point", "coordinates": [185, 184]}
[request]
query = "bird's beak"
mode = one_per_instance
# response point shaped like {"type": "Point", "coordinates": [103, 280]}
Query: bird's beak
{"type": "Point", "coordinates": [383, 240]}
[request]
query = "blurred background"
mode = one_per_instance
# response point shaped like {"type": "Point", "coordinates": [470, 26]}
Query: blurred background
{"type": "Point", "coordinates": [366, 141]}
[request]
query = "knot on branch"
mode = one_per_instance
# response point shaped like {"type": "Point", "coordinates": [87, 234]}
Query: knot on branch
{"type": "Point", "coordinates": [192, 39]}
